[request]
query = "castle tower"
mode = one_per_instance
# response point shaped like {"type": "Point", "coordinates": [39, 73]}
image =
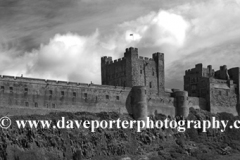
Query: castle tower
{"type": "Point", "coordinates": [104, 62]}
{"type": "Point", "coordinates": [159, 61]}
{"type": "Point", "coordinates": [133, 70]}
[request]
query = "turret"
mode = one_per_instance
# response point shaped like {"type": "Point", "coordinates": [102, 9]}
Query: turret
{"type": "Point", "coordinates": [159, 60]}
{"type": "Point", "coordinates": [131, 52]}
{"type": "Point", "coordinates": [139, 98]}
{"type": "Point", "coordinates": [181, 103]}
{"type": "Point", "coordinates": [106, 60]}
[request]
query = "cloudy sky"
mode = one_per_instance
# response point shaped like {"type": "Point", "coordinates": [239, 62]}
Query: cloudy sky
{"type": "Point", "coordinates": [64, 39]}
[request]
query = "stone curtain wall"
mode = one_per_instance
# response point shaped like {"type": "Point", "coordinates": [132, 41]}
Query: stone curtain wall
{"type": "Point", "coordinates": [161, 104]}
{"type": "Point", "coordinates": [197, 103]}
{"type": "Point", "coordinates": [223, 98]}
{"type": "Point", "coordinates": [38, 93]}
{"type": "Point", "coordinates": [20, 95]}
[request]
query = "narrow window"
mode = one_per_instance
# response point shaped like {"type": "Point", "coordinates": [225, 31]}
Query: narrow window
{"type": "Point", "coordinates": [140, 71]}
{"type": "Point", "coordinates": [74, 95]}
{"type": "Point", "coordinates": [25, 91]}
{"type": "Point", "coordinates": [117, 97]}
{"type": "Point", "coordinates": [153, 73]}
{"type": "Point", "coordinates": [36, 104]}
{"type": "Point", "coordinates": [2, 89]}
{"type": "Point", "coordinates": [26, 104]}
{"type": "Point", "coordinates": [150, 84]}
{"type": "Point", "coordinates": [53, 105]}
{"type": "Point", "coordinates": [85, 97]}
{"type": "Point", "coordinates": [11, 89]}
{"type": "Point", "coordinates": [62, 93]}
{"type": "Point", "coordinates": [50, 94]}
{"type": "Point", "coordinates": [107, 96]}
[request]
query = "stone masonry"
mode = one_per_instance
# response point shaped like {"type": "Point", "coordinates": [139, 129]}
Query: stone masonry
{"type": "Point", "coordinates": [126, 84]}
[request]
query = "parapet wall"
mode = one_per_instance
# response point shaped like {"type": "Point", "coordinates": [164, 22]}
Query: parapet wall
{"type": "Point", "coordinates": [28, 95]}
{"type": "Point", "coordinates": [49, 94]}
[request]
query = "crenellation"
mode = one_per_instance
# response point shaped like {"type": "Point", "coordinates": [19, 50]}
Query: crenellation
{"type": "Point", "coordinates": [220, 88]}
{"type": "Point", "coordinates": [204, 89]}
{"type": "Point", "coordinates": [136, 70]}
{"type": "Point", "coordinates": [62, 83]}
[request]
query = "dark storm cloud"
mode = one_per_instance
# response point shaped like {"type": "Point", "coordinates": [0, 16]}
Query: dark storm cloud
{"type": "Point", "coordinates": [59, 38]}
{"type": "Point", "coordinates": [28, 23]}
{"type": "Point", "coordinates": [24, 21]}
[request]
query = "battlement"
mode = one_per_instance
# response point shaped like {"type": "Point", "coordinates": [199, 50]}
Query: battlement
{"type": "Point", "coordinates": [157, 54]}
{"type": "Point", "coordinates": [200, 71]}
{"type": "Point", "coordinates": [62, 83]}
{"type": "Point", "coordinates": [131, 49]}
{"type": "Point", "coordinates": [145, 58]}
{"type": "Point", "coordinates": [131, 52]}
{"type": "Point", "coordinates": [222, 68]}
{"type": "Point", "coordinates": [119, 60]}
{"type": "Point", "coordinates": [106, 60]}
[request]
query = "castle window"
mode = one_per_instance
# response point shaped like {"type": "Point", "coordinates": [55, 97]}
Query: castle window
{"type": "Point", "coordinates": [85, 97]}
{"type": "Point", "coordinates": [107, 96]}
{"type": "Point", "coordinates": [74, 94]}
{"type": "Point", "coordinates": [140, 71]}
{"type": "Point", "coordinates": [220, 93]}
{"type": "Point", "coordinates": [150, 84]}
{"type": "Point", "coordinates": [11, 89]}
{"type": "Point", "coordinates": [36, 104]}
{"type": "Point", "coordinates": [50, 92]}
{"type": "Point", "coordinates": [62, 93]}
{"type": "Point", "coordinates": [25, 91]}
{"type": "Point", "coordinates": [2, 88]}
{"type": "Point", "coordinates": [145, 91]}
{"type": "Point", "coordinates": [53, 105]}
{"type": "Point", "coordinates": [26, 104]}
{"type": "Point", "coordinates": [117, 97]}
{"type": "Point", "coordinates": [153, 73]}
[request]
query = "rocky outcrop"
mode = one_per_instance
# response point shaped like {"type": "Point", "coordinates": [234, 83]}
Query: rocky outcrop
{"type": "Point", "coordinates": [118, 144]}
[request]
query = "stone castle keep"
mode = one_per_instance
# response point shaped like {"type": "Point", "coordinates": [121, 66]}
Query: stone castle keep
{"type": "Point", "coordinates": [132, 84]}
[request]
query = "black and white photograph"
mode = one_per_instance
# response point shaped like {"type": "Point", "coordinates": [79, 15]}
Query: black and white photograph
{"type": "Point", "coordinates": [119, 79]}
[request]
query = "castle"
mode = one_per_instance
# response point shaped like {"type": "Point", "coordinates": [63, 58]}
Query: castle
{"type": "Point", "coordinates": [132, 84]}
{"type": "Point", "coordinates": [219, 88]}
